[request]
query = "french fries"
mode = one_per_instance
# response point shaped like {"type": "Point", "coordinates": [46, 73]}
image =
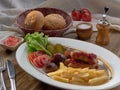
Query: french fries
{"type": "Point", "coordinates": [79, 76]}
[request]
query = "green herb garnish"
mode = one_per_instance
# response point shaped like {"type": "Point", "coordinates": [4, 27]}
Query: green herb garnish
{"type": "Point", "coordinates": [37, 41]}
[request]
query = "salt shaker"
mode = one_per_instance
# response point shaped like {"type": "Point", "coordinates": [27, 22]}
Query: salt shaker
{"type": "Point", "coordinates": [103, 27]}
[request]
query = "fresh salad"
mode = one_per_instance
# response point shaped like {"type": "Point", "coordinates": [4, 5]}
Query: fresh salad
{"type": "Point", "coordinates": [37, 42]}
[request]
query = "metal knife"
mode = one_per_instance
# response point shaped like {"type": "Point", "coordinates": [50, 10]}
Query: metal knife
{"type": "Point", "coordinates": [11, 74]}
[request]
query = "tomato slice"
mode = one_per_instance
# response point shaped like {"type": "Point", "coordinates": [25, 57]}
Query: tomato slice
{"type": "Point", "coordinates": [45, 59]}
{"type": "Point", "coordinates": [37, 63]}
{"type": "Point", "coordinates": [33, 55]}
{"type": "Point", "coordinates": [39, 59]}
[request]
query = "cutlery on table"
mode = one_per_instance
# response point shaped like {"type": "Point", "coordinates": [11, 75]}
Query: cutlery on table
{"type": "Point", "coordinates": [11, 74]}
{"type": "Point", "coordinates": [2, 68]}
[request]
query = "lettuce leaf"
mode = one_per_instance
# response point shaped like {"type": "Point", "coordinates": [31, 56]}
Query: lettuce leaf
{"type": "Point", "coordinates": [37, 41]}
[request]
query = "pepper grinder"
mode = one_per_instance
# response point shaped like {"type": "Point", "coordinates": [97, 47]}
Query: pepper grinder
{"type": "Point", "coordinates": [103, 27]}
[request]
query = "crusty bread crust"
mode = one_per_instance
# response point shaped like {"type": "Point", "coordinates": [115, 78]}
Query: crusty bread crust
{"type": "Point", "coordinates": [34, 20]}
{"type": "Point", "coordinates": [54, 21]}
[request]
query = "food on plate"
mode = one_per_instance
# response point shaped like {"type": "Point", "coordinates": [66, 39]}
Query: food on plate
{"type": "Point", "coordinates": [69, 65]}
{"type": "Point", "coordinates": [83, 59]}
{"type": "Point", "coordinates": [34, 20]}
{"type": "Point", "coordinates": [39, 59]}
{"type": "Point", "coordinates": [50, 67]}
{"type": "Point", "coordinates": [82, 14]}
{"type": "Point", "coordinates": [55, 48]}
{"type": "Point", "coordinates": [79, 76]}
{"type": "Point", "coordinates": [36, 42]}
{"type": "Point", "coordinates": [57, 58]}
{"type": "Point", "coordinates": [54, 21]}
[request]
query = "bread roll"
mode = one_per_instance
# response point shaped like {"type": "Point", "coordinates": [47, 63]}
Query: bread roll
{"type": "Point", "coordinates": [34, 20]}
{"type": "Point", "coordinates": [54, 21]}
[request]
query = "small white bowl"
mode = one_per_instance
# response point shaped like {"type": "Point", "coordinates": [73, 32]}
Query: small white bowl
{"type": "Point", "coordinates": [8, 47]}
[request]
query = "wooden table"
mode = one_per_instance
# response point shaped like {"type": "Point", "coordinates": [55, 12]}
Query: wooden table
{"type": "Point", "coordinates": [25, 81]}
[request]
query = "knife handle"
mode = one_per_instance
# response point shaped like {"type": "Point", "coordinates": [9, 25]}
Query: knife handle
{"type": "Point", "coordinates": [13, 85]}
{"type": "Point", "coordinates": [3, 83]}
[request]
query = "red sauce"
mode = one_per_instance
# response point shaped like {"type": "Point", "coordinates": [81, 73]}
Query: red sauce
{"type": "Point", "coordinates": [11, 41]}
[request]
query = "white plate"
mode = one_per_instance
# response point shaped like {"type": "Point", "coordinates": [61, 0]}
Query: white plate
{"type": "Point", "coordinates": [112, 59]}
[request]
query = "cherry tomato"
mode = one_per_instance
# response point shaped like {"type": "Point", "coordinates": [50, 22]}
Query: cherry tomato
{"type": "Point", "coordinates": [86, 15]}
{"type": "Point", "coordinates": [85, 10]}
{"type": "Point", "coordinates": [76, 15]}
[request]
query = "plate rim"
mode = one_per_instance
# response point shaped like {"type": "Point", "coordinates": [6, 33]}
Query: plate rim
{"type": "Point", "coordinates": [83, 42]}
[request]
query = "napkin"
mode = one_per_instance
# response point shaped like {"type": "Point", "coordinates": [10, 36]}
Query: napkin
{"type": "Point", "coordinates": [7, 24]}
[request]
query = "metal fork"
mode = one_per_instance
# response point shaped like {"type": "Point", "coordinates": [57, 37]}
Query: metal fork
{"type": "Point", "coordinates": [2, 68]}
